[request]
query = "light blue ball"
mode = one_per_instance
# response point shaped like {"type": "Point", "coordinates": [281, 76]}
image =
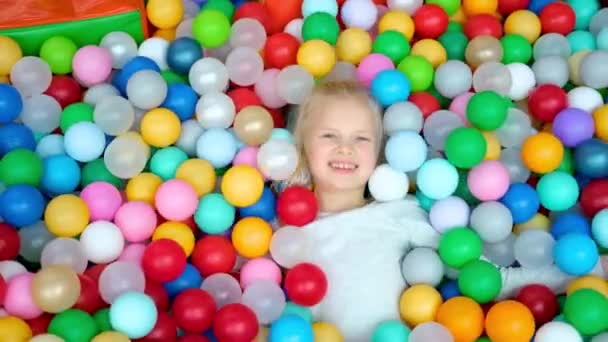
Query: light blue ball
{"type": "Point", "coordinates": [303, 312]}
{"type": "Point", "coordinates": [311, 6]}
{"type": "Point", "coordinates": [290, 328]}
{"type": "Point", "coordinates": [214, 215]}
{"type": "Point", "coordinates": [599, 228]}
{"type": "Point", "coordinates": [437, 178]}
{"type": "Point", "coordinates": [557, 191]}
{"type": "Point", "coordinates": [84, 142]}
{"type": "Point", "coordinates": [61, 174]}
{"type": "Point", "coordinates": [405, 151]}
{"type": "Point", "coordinates": [602, 39]}
{"type": "Point", "coordinates": [391, 331]}
{"type": "Point", "coordinates": [575, 254]}
{"type": "Point", "coordinates": [133, 314]}
{"type": "Point", "coordinates": [281, 133]}
{"type": "Point", "coordinates": [390, 86]}
{"type": "Point", "coordinates": [217, 146]}
{"type": "Point", "coordinates": [50, 145]}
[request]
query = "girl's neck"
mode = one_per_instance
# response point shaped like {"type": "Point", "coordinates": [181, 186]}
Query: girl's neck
{"type": "Point", "coordinates": [337, 201]}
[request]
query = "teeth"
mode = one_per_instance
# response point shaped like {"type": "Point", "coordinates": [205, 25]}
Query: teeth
{"type": "Point", "coordinates": [343, 166]}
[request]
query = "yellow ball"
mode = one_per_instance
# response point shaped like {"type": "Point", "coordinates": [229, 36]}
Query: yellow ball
{"type": "Point", "coordinates": [143, 187]}
{"type": "Point", "coordinates": [178, 232]}
{"type": "Point", "coordinates": [398, 21]}
{"type": "Point", "coordinates": [419, 304]}
{"type": "Point", "coordinates": [326, 332]}
{"type": "Point", "coordinates": [317, 57]}
{"type": "Point", "coordinates": [165, 14]}
{"type": "Point", "coordinates": [4, 79]}
{"type": "Point", "coordinates": [353, 45]}
{"type": "Point", "coordinates": [166, 34]}
{"type": "Point", "coordinates": [13, 329]}
{"type": "Point", "coordinates": [525, 23]}
{"type": "Point", "coordinates": [600, 117]}
{"type": "Point", "coordinates": [473, 7]}
{"type": "Point", "coordinates": [10, 53]}
{"type": "Point", "coordinates": [199, 173]}
{"type": "Point", "coordinates": [589, 282]}
{"type": "Point", "coordinates": [492, 146]}
{"type": "Point", "coordinates": [160, 127]}
{"type": "Point", "coordinates": [111, 336]}
{"type": "Point", "coordinates": [46, 338]}
{"type": "Point", "coordinates": [430, 49]}
{"type": "Point", "coordinates": [66, 215]}
{"type": "Point", "coordinates": [538, 221]}
{"type": "Point", "coordinates": [242, 185]}
{"type": "Point", "coordinates": [251, 237]}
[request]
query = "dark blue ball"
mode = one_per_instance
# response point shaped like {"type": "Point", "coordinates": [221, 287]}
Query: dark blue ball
{"type": "Point", "coordinates": [449, 289]}
{"type": "Point", "coordinates": [537, 5]}
{"type": "Point", "coordinates": [136, 64]}
{"type": "Point", "coordinates": [264, 208]}
{"type": "Point", "coordinates": [591, 158]}
{"type": "Point", "coordinates": [522, 201]}
{"type": "Point", "coordinates": [11, 103]}
{"type": "Point", "coordinates": [14, 135]}
{"type": "Point", "coordinates": [182, 53]}
{"type": "Point", "coordinates": [570, 222]}
{"type": "Point", "coordinates": [21, 205]}
{"type": "Point", "coordinates": [181, 99]}
{"type": "Point", "coordinates": [189, 279]}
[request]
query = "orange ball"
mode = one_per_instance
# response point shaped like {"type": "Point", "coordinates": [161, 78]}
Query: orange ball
{"type": "Point", "coordinates": [474, 7]}
{"type": "Point", "coordinates": [419, 304]}
{"type": "Point", "coordinates": [242, 185]}
{"type": "Point", "coordinates": [251, 237]}
{"type": "Point", "coordinates": [542, 152]}
{"type": "Point", "coordinates": [463, 317]}
{"type": "Point", "coordinates": [510, 321]}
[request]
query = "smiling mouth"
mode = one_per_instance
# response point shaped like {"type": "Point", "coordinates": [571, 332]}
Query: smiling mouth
{"type": "Point", "coordinates": [343, 166]}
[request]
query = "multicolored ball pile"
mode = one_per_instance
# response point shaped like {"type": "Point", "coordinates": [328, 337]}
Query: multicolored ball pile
{"type": "Point", "coordinates": [135, 179]}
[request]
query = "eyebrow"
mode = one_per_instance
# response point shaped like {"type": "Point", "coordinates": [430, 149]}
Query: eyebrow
{"type": "Point", "coordinates": [360, 131]}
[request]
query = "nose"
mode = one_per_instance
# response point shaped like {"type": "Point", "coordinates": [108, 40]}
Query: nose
{"type": "Point", "coordinates": [345, 148]}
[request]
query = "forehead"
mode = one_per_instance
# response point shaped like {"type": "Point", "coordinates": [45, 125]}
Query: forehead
{"type": "Point", "coordinates": [344, 113]}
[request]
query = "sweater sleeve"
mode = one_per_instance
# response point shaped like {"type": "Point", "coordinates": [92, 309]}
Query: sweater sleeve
{"type": "Point", "coordinates": [412, 218]}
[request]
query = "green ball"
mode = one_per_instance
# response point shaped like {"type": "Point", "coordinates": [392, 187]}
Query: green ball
{"type": "Point", "coordinates": [21, 166]}
{"type": "Point", "coordinates": [455, 44]}
{"type": "Point", "coordinates": [557, 191]}
{"type": "Point", "coordinates": [567, 164]}
{"type": "Point", "coordinates": [463, 190]}
{"type": "Point", "coordinates": [587, 311]}
{"type": "Point", "coordinates": [487, 110]}
{"type": "Point", "coordinates": [480, 281]}
{"type": "Point", "coordinates": [224, 6]}
{"type": "Point", "coordinates": [321, 25]}
{"type": "Point", "coordinates": [171, 77]}
{"type": "Point", "coordinates": [102, 319]}
{"type": "Point", "coordinates": [465, 147]}
{"type": "Point", "coordinates": [419, 71]}
{"type": "Point", "coordinates": [449, 6]}
{"type": "Point", "coordinates": [303, 312]}
{"type": "Point", "coordinates": [458, 246]}
{"type": "Point", "coordinates": [211, 28]}
{"type": "Point", "coordinates": [165, 162]}
{"type": "Point", "coordinates": [75, 113]}
{"type": "Point", "coordinates": [74, 326]}
{"type": "Point", "coordinates": [391, 331]}
{"type": "Point", "coordinates": [516, 49]}
{"type": "Point", "coordinates": [393, 45]}
{"type": "Point", "coordinates": [96, 171]}
{"type": "Point", "coordinates": [58, 52]}
{"type": "Point", "coordinates": [214, 214]}
{"type": "Point", "coordinates": [483, 339]}
{"type": "Point", "coordinates": [454, 26]}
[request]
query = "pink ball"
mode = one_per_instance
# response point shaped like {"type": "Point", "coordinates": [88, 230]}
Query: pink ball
{"type": "Point", "coordinates": [133, 252]}
{"type": "Point", "coordinates": [448, 213]}
{"type": "Point", "coordinates": [489, 180]}
{"type": "Point", "coordinates": [459, 106]}
{"type": "Point", "coordinates": [92, 65]}
{"type": "Point", "coordinates": [102, 199]}
{"type": "Point", "coordinates": [260, 269]}
{"type": "Point", "coordinates": [371, 66]}
{"type": "Point", "coordinates": [176, 200]}
{"type": "Point", "coordinates": [18, 300]}
{"type": "Point", "coordinates": [266, 89]}
{"type": "Point", "coordinates": [248, 155]}
{"type": "Point", "coordinates": [136, 220]}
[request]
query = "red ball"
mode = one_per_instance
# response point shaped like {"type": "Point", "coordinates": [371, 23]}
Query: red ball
{"type": "Point", "coordinates": [426, 102]}
{"type": "Point", "coordinates": [65, 90]}
{"type": "Point", "coordinates": [95, 271]}
{"type": "Point", "coordinates": [163, 260]}
{"type": "Point", "coordinates": [281, 50]}
{"type": "Point", "coordinates": [510, 6]}
{"type": "Point", "coordinates": [165, 330]}
{"type": "Point", "coordinates": [297, 206]}
{"type": "Point", "coordinates": [9, 242]}
{"type": "Point", "coordinates": [430, 21]}
{"type": "Point", "coordinates": [594, 197]}
{"type": "Point", "coordinates": [483, 24]}
{"type": "Point", "coordinates": [243, 97]}
{"type": "Point", "coordinates": [2, 290]}
{"type": "Point", "coordinates": [40, 324]}
{"type": "Point", "coordinates": [557, 17]}
{"type": "Point", "coordinates": [282, 12]}
{"type": "Point", "coordinates": [193, 310]}
{"type": "Point", "coordinates": [306, 284]}
{"type": "Point", "coordinates": [546, 101]}
{"type": "Point", "coordinates": [254, 10]}
{"type": "Point", "coordinates": [235, 323]}
{"type": "Point", "coordinates": [278, 118]}
{"type": "Point", "coordinates": [158, 294]}
{"type": "Point", "coordinates": [541, 301]}
{"type": "Point", "coordinates": [193, 338]}
{"type": "Point", "coordinates": [213, 254]}
{"type": "Point", "coordinates": [90, 299]}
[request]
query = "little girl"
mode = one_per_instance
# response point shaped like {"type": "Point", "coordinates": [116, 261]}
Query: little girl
{"type": "Point", "coordinates": [359, 243]}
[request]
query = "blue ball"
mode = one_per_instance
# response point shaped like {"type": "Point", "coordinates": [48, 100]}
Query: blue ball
{"type": "Point", "coordinates": [84, 141]}
{"type": "Point", "coordinates": [264, 208]}
{"type": "Point", "coordinates": [21, 205]}
{"type": "Point", "coordinates": [599, 228]}
{"type": "Point", "coordinates": [217, 146]}
{"type": "Point", "coordinates": [522, 201]}
{"type": "Point", "coordinates": [50, 145]}
{"type": "Point", "coordinates": [61, 174]}
{"type": "Point", "coordinates": [181, 99]}
{"type": "Point", "coordinates": [390, 86]}
{"type": "Point", "coordinates": [537, 5]}
{"type": "Point", "coordinates": [189, 279]}
{"type": "Point", "coordinates": [591, 158]}
{"type": "Point", "coordinates": [136, 64]}
{"type": "Point", "coordinates": [11, 103]}
{"type": "Point", "coordinates": [570, 222]}
{"type": "Point", "coordinates": [409, 141]}
{"type": "Point", "coordinates": [290, 328]}
{"type": "Point", "coordinates": [182, 53]}
{"type": "Point", "coordinates": [133, 314]}
{"type": "Point", "coordinates": [449, 290]}
{"type": "Point", "coordinates": [575, 254]}
{"type": "Point", "coordinates": [13, 136]}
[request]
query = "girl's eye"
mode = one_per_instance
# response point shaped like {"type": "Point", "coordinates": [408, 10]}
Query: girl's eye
{"type": "Point", "coordinates": [328, 135]}
{"type": "Point", "coordinates": [363, 139]}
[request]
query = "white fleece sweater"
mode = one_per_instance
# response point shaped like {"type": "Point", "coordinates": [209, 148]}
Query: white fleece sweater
{"type": "Point", "coordinates": [360, 252]}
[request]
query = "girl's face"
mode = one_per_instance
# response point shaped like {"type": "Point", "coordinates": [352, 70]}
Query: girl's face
{"type": "Point", "coordinates": [341, 145]}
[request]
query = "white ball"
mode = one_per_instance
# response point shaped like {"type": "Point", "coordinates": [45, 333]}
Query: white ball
{"type": "Point", "coordinates": [294, 28]}
{"type": "Point", "coordinates": [387, 184]}
{"type": "Point", "coordinates": [277, 159]}
{"type": "Point", "coordinates": [155, 48]}
{"type": "Point", "coordinates": [585, 98]}
{"type": "Point", "coordinates": [146, 89]}
{"type": "Point", "coordinates": [102, 242]}
{"type": "Point", "coordinates": [422, 266]}
{"type": "Point", "coordinates": [215, 110]}
{"type": "Point", "coordinates": [492, 221]}
{"type": "Point", "coordinates": [534, 248]}
{"type": "Point", "coordinates": [410, 6]}
{"type": "Point", "coordinates": [558, 331]}
{"type": "Point", "coordinates": [41, 113]}
{"type": "Point", "coordinates": [208, 74]}
{"type": "Point", "coordinates": [501, 253]}
{"type": "Point", "coordinates": [191, 131]}
{"type": "Point", "coordinates": [359, 13]}
{"type": "Point", "coordinates": [522, 81]}
{"type": "Point", "coordinates": [402, 116]}
{"type": "Point", "coordinates": [98, 92]}
{"type": "Point", "coordinates": [448, 213]}
{"type": "Point", "coordinates": [11, 268]}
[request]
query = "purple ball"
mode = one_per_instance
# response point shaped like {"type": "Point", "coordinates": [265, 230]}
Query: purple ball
{"type": "Point", "coordinates": [573, 126]}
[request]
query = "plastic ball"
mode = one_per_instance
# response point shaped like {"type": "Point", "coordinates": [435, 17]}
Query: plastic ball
{"type": "Point", "coordinates": [522, 201]}
{"type": "Point", "coordinates": [463, 317]}
{"type": "Point", "coordinates": [242, 185]}
{"type": "Point", "coordinates": [359, 13]}
{"type": "Point", "coordinates": [388, 184]}
{"type": "Point", "coordinates": [251, 237]}
{"type": "Point", "coordinates": [583, 309]}
{"type": "Point", "coordinates": [392, 44]}
{"type": "Point", "coordinates": [294, 83]}
{"type": "Point", "coordinates": [160, 127]}
{"type": "Point", "coordinates": [390, 331]}
{"type": "Point", "coordinates": [422, 266]}
{"type": "Point", "coordinates": [297, 206]}
{"type": "Point", "coordinates": [176, 200]}
{"type": "Point", "coordinates": [84, 142]}
{"type": "Point", "coordinates": [199, 174]}
{"type": "Point", "coordinates": [133, 314]}
{"type": "Point", "coordinates": [541, 301]}
{"type": "Point", "coordinates": [66, 215]}
{"type": "Point", "coordinates": [489, 180]}
{"type": "Point", "coordinates": [322, 26]}
{"type": "Point", "coordinates": [224, 288]}
{"type": "Point", "coordinates": [266, 299]}
{"type": "Point", "coordinates": [575, 254]}
{"type": "Point", "coordinates": [573, 126]}
{"type": "Point", "coordinates": [523, 22]}
{"type": "Point", "coordinates": [430, 331]}
{"type": "Point", "coordinates": [214, 214]}
{"type": "Point", "coordinates": [453, 78]}
{"type": "Point", "coordinates": [306, 284]}
{"type": "Point", "coordinates": [430, 21]}
{"type": "Point", "coordinates": [21, 205]}
{"type": "Point", "coordinates": [11, 103]}
{"type": "Point", "coordinates": [402, 116]}
{"type": "Point", "coordinates": [11, 54]}
{"type": "Point", "coordinates": [21, 166]}
{"type": "Point", "coordinates": [64, 251]}
{"type": "Point", "coordinates": [458, 246]}
{"type": "Point", "coordinates": [10, 246]}
{"type": "Point", "coordinates": [146, 89]}
{"type": "Point", "coordinates": [542, 152]}
{"type": "Point", "coordinates": [280, 50]}
{"type": "Point", "coordinates": [121, 46]}
{"type": "Point", "coordinates": [599, 118]}
{"type": "Point", "coordinates": [16, 136]}
{"type": "Point", "coordinates": [557, 330]}
{"type": "Point", "coordinates": [585, 98]}
{"type": "Point", "coordinates": [244, 65]}
{"type": "Point", "coordinates": [208, 74]}
{"type": "Point", "coordinates": [277, 159]}
{"type": "Point", "coordinates": [193, 310]}
{"type": "Point", "coordinates": [480, 281]}
{"type": "Point", "coordinates": [290, 327]}
{"type": "Point", "coordinates": [465, 147]}
{"type": "Point", "coordinates": [120, 277]}
{"type": "Point", "coordinates": [419, 304]}
{"type": "Point", "coordinates": [155, 48]}
{"type": "Point", "coordinates": [533, 249]}
{"type": "Point", "coordinates": [182, 54]}
{"type": "Point", "coordinates": [483, 24]}
{"type": "Point", "coordinates": [211, 28]}
{"type": "Point", "coordinates": [91, 65]}
{"type": "Point", "coordinates": [31, 75]}
{"type": "Point", "coordinates": [431, 50]}
{"type": "Point", "coordinates": [288, 246]}
{"type": "Point", "coordinates": [235, 322]}
{"type": "Point", "coordinates": [55, 288]}
{"type": "Point", "coordinates": [73, 324]}
{"type": "Point", "coordinates": [317, 57]}
{"type": "Point", "coordinates": [397, 20]}
{"type": "Point", "coordinates": [259, 269]}
{"type": "Point", "coordinates": [143, 187]}
{"type": "Point", "coordinates": [19, 301]}
{"type": "Point", "coordinates": [432, 171]}
{"type": "Point", "coordinates": [509, 320]}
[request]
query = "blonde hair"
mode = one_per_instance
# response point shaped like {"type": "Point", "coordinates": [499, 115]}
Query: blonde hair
{"type": "Point", "coordinates": [328, 90]}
